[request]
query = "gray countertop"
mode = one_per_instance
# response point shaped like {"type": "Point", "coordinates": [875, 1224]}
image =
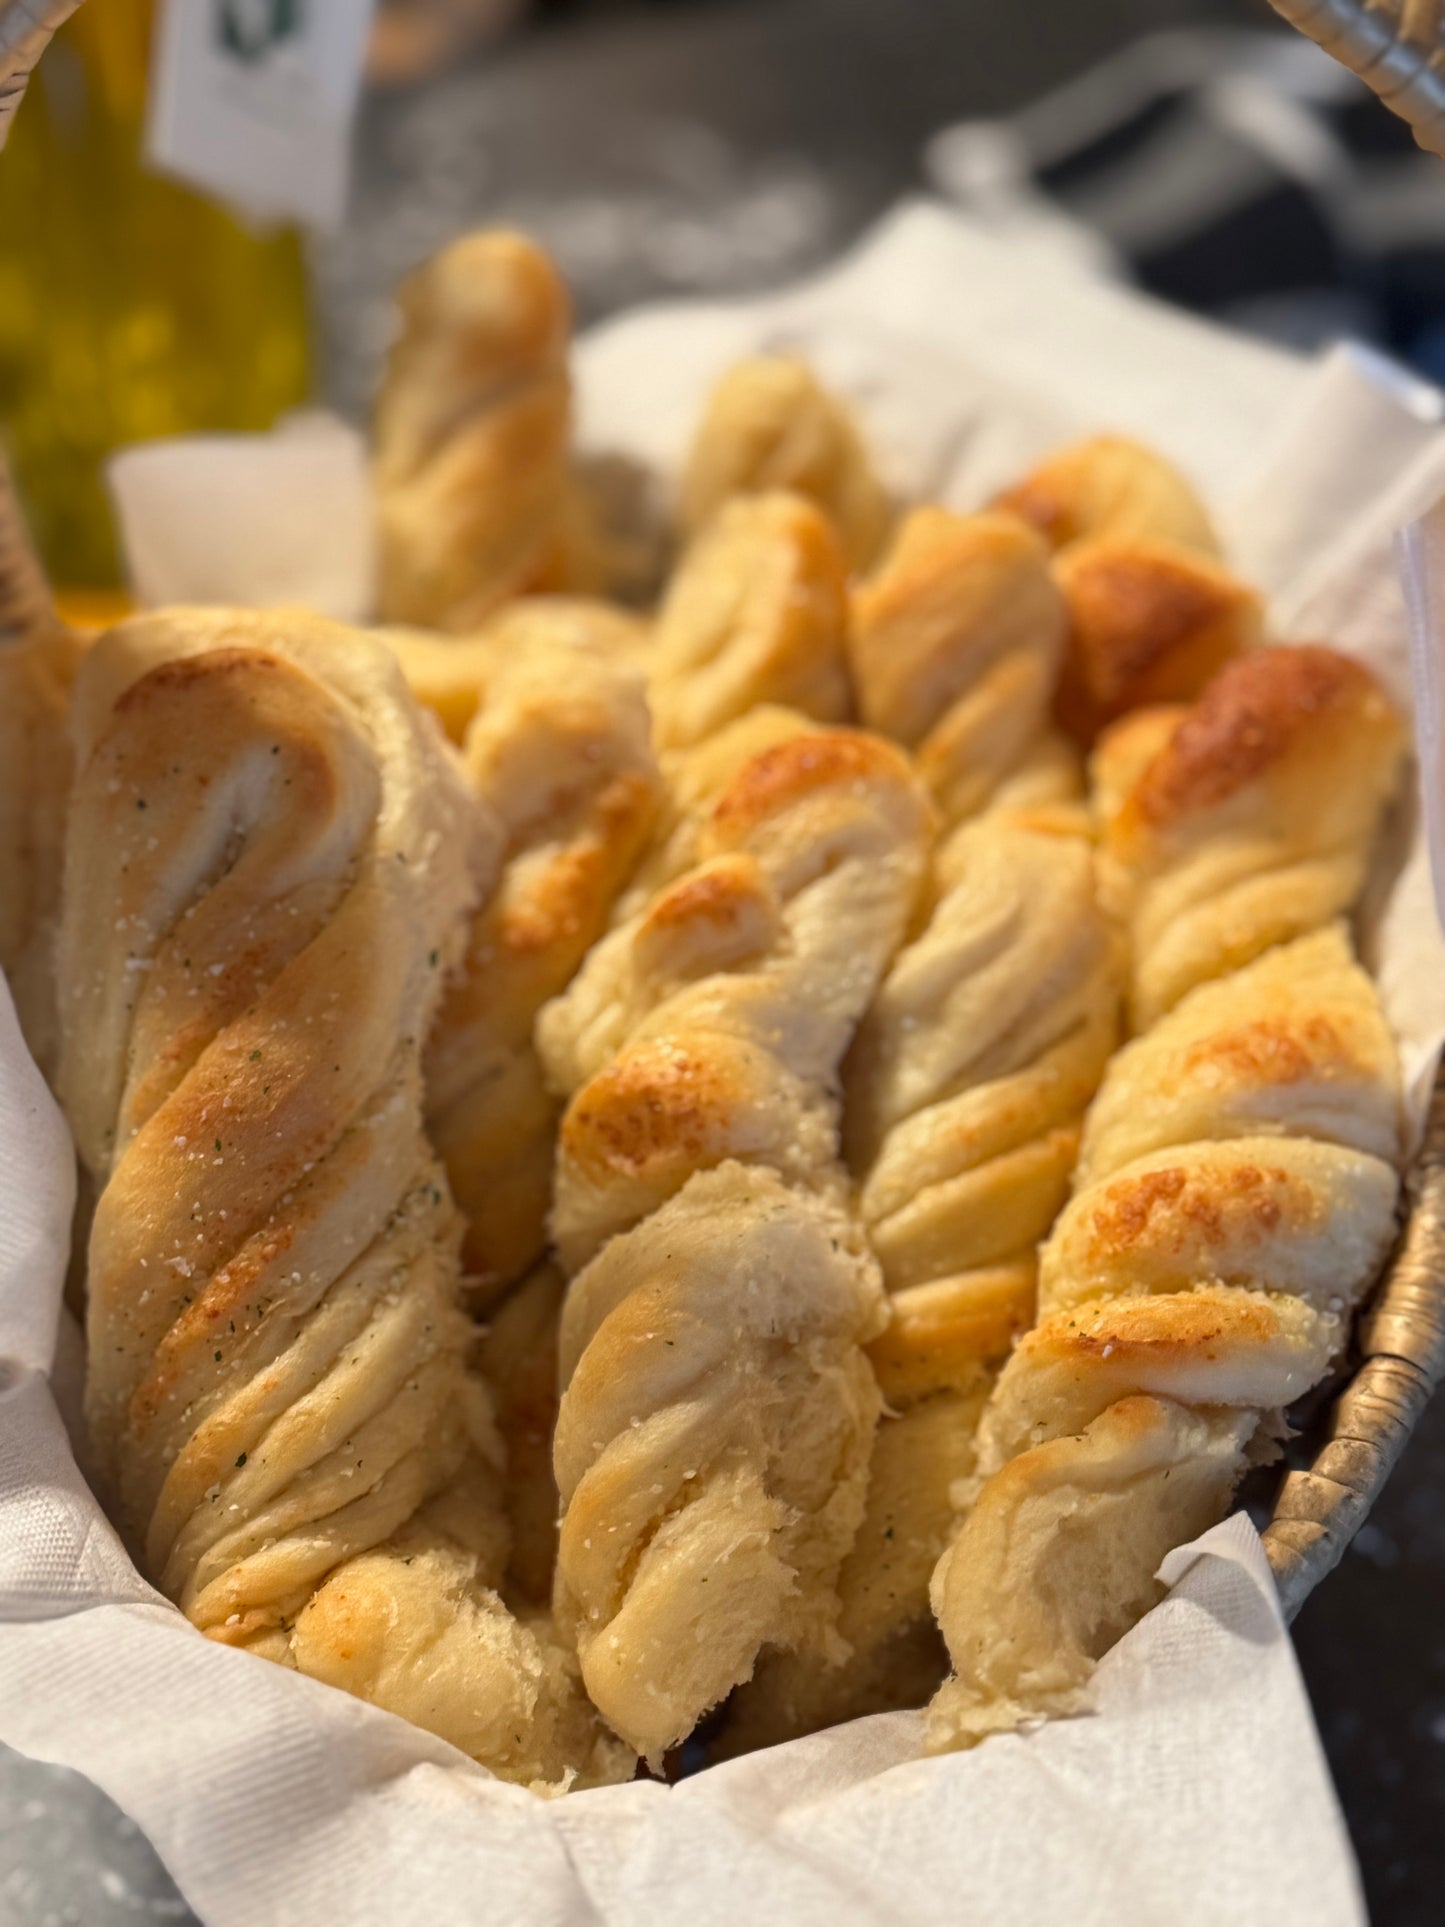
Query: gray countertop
{"type": "Point", "coordinates": [703, 148]}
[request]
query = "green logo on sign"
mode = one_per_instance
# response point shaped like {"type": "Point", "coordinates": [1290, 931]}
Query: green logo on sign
{"type": "Point", "coordinates": [249, 29]}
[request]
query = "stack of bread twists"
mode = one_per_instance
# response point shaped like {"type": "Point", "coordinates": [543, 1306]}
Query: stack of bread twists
{"type": "Point", "coordinates": [269, 870]}
{"type": "Point", "coordinates": [969, 1079]}
{"type": "Point", "coordinates": [578, 1170]}
{"type": "Point", "coordinates": [1236, 1190]}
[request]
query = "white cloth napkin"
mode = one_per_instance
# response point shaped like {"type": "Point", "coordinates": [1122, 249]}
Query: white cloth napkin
{"type": "Point", "coordinates": [1197, 1791]}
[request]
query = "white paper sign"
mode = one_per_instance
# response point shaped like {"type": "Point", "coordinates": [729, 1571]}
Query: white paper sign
{"type": "Point", "coordinates": [253, 100]}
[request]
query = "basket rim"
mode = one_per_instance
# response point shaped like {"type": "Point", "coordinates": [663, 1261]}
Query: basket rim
{"type": "Point", "coordinates": [1319, 1508]}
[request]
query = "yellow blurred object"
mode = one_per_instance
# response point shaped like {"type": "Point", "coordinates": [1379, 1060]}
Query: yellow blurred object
{"type": "Point", "coordinates": [93, 608]}
{"type": "Point", "coordinates": [130, 307]}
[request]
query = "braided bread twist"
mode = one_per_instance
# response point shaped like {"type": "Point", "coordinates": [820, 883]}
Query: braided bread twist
{"type": "Point", "coordinates": [956, 645]}
{"type": "Point", "coordinates": [757, 612]}
{"type": "Point", "coordinates": [269, 867]}
{"type": "Point", "coordinates": [718, 1409]}
{"type": "Point", "coordinates": [1189, 1296]}
{"type": "Point", "coordinates": [966, 1091]}
{"type": "Point", "coordinates": [560, 757]}
{"type": "Point", "coordinates": [475, 499]}
{"type": "Point", "coordinates": [1153, 614]}
{"type": "Point", "coordinates": [1245, 820]}
{"type": "Point", "coordinates": [1109, 487]}
{"type": "Point", "coordinates": [712, 1025]}
{"type": "Point", "coordinates": [1235, 1196]}
{"type": "Point", "coordinates": [770, 424]}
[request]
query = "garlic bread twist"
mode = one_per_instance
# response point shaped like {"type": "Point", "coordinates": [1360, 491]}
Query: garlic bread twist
{"type": "Point", "coordinates": [1246, 819]}
{"type": "Point", "coordinates": [756, 613]}
{"type": "Point", "coordinates": [770, 424]}
{"type": "Point", "coordinates": [718, 1408]}
{"type": "Point", "coordinates": [560, 756]}
{"type": "Point", "coordinates": [966, 1091]}
{"type": "Point", "coordinates": [1235, 1197]}
{"type": "Point", "coordinates": [1114, 488]}
{"type": "Point", "coordinates": [1153, 613]}
{"type": "Point", "coordinates": [475, 498]}
{"type": "Point", "coordinates": [956, 646]}
{"type": "Point", "coordinates": [270, 863]}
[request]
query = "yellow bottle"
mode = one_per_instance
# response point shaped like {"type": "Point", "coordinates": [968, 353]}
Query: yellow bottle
{"type": "Point", "coordinates": [129, 306]}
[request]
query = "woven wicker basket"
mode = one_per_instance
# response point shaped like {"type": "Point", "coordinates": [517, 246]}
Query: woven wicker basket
{"type": "Point", "coordinates": [1318, 1508]}
{"type": "Point", "coordinates": [1395, 46]}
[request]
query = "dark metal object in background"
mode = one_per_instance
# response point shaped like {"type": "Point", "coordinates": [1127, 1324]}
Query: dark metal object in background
{"type": "Point", "coordinates": [712, 148]}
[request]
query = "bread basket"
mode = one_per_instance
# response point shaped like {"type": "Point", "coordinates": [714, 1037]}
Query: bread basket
{"type": "Point", "coordinates": [1397, 47]}
{"type": "Point", "coordinates": [1348, 1452]}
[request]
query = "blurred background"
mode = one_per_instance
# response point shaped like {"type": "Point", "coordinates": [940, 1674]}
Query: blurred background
{"type": "Point", "coordinates": [667, 148]}
{"type": "Point", "coordinates": [676, 148]}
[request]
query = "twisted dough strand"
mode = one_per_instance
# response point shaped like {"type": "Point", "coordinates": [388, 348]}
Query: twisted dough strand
{"type": "Point", "coordinates": [770, 424]}
{"type": "Point", "coordinates": [718, 1409]}
{"type": "Point", "coordinates": [757, 612]}
{"type": "Point", "coordinates": [475, 500]}
{"type": "Point", "coordinates": [956, 646]}
{"type": "Point", "coordinates": [1153, 614]}
{"type": "Point", "coordinates": [966, 1090]}
{"type": "Point", "coordinates": [560, 756]}
{"type": "Point", "coordinates": [713, 1024]}
{"type": "Point", "coordinates": [269, 866]}
{"type": "Point", "coordinates": [1235, 1196]}
{"type": "Point", "coordinates": [1245, 820]}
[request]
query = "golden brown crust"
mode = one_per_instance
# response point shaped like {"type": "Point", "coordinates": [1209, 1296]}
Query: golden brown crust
{"type": "Point", "coordinates": [787, 773]}
{"type": "Point", "coordinates": [1247, 819]}
{"type": "Point", "coordinates": [1148, 623]}
{"type": "Point", "coordinates": [1109, 486]}
{"type": "Point", "coordinates": [1293, 1045]}
{"type": "Point", "coordinates": [1252, 717]}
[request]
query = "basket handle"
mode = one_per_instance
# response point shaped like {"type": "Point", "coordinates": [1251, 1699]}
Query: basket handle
{"type": "Point", "coordinates": [25, 28]}
{"type": "Point", "coordinates": [1394, 46]}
